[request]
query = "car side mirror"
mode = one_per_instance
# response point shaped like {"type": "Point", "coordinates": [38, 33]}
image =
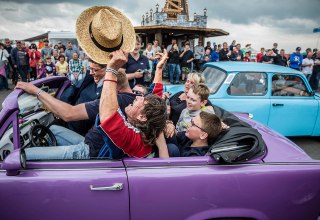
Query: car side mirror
{"type": "Point", "coordinates": [14, 162]}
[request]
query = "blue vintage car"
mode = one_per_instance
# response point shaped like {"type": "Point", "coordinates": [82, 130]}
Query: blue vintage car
{"type": "Point", "coordinates": [280, 182]}
{"type": "Point", "coordinates": [276, 96]}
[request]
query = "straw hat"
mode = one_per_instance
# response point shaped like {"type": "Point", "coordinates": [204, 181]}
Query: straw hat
{"type": "Point", "coordinates": [103, 29]}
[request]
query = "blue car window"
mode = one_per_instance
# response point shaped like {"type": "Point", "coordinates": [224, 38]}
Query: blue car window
{"type": "Point", "coordinates": [214, 78]}
{"type": "Point", "coordinates": [248, 84]}
{"type": "Point", "coordinates": [288, 85]}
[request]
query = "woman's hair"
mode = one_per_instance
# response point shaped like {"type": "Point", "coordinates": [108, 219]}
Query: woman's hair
{"type": "Point", "coordinates": [196, 77]}
{"type": "Point", "coordinates": [172, 46]}
{"type": "Point", "coordinates": [156, 113]}
{"type": "Point", "coordinates": [62, 57]}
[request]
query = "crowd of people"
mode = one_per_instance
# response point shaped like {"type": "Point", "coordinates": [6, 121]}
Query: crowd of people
{"type": "Point", "coordinates": [113, 114]}
{"type": "Point", "coordinates": [28, 63]}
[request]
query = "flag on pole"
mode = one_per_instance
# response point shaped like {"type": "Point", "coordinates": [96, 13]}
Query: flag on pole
{"type": "Point", "coordinates": [316, 30]}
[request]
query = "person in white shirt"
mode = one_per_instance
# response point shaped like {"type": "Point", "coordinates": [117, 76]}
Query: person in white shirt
{"type": "Point", "coordinates": [198, 54]}
{"type": "Point", "coordinates": [149, 53]}
{"type": "Point", "coordinates": [155, 47]}
{"type": "Point", "coordinates": [307, 65]}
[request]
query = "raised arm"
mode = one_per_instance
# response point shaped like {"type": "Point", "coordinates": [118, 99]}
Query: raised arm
{"type": "Point", "coordinates": [159, 69]}
{"type": "Point", "coordinates": [108, 101]}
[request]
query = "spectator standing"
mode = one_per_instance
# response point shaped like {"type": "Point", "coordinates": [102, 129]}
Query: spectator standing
{"type": "Point", "coordinates": [268, 57]}
{"type": "Point", "coordinates": [296, 59]}
{"type": "Point", "coordinates": [232, 45]}
{"type": "Point", "coordinates": [198, 54]}
{"type": "Point", "coordinates": [246, 57]}
{"type": "Point", "coordinates": [236, 54]}
{"type": "Point", "coordinates": [219, 47]}
{"type": "Point", "coordinates": [260, 55]}
{"type": "Point", "coordinates": [173, 41]}
{"type": "Point", "coordinates": [62, 66]}
{"type": "Point", "coordinates": [4, 55]}
{"type": "Point", "coordinates": [206, 58]}
{"type": "Point", "coordinates": [8, 48]}
{"type": "Point", "coordinates": [155, 47]}
{"type": "Point", "coordinates": [61, 45]}
{"type": "Point", "coordinates": [307, 65]}
{"type": "Point", "coordinates": [224, 53]}
{"type": "Point", "coordinates": [314, 79]}
{"type": "Point", "coordinates": [208, 46]}
{"type": "Point", "coordinates": [314, 55]}
{"type": "Point", "coordinates": [215, 54]}
{"type": "Point", "coordinates": [186, 59]}
{"type": "Point", "coordinates": [174, 64]}
{"type": "Point", "coordinates": [34, 57]}
{"type": "Point", "coordinates": [308, 50]}
{"type": "Point", "coordinates": [50, 67]}
{"type": "Point", "coordinates": [46, 50]}
{"type": "Point", "coordinates": [281, 59]}
{"type": "Point", "coordinates": [20, 60]}
{"type": "Point", "coordinates": [136, 65]}
{"type": "Point", "coordinates": [70, 51]}
{"type": "Point", "coordinates": [41, 69]}
{"type": "Point", "coordinates": [275, 48]}
{"type": "Point", "coordinates": [75, 69]}
{"type": "Point", "coordinates": [149, 53]}
{"type": "Point", "coordinates": [55, 56]}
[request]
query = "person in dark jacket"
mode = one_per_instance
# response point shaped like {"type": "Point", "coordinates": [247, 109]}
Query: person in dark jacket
{"type": "Point", "coordinates": [174, 64]}
{"type": "Point", "coordinates": [20, 61]}
{"type": "Point", "coordinates": [281, 59]}
{"type": "Point", "coordinates": [224, 53]}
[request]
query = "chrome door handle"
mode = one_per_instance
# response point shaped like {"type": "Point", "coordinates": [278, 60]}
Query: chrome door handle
{"type": "Point", "coordinates": [115, 187]}
{"type": "Point", "coordinates": [276, 104]}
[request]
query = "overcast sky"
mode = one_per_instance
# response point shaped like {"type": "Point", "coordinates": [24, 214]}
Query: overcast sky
{"type": "Point", "coordinates": [259, 22]}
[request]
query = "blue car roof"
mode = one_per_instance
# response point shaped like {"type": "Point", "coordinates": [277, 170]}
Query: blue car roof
{"type": "Point", "coordinates": [230, 66]}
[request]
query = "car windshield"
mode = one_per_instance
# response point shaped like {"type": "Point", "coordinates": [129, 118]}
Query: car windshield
{"type": "Point", "coordinates": [213, 78]}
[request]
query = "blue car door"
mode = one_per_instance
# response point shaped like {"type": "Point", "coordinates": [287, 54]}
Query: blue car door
{"type": "Point", "coordinates": [293, 109]}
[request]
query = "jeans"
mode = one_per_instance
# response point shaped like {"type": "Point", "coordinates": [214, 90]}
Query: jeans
{"type": "Point", "coordinates": [70, 146]}
{"type": "Point", "coordinates": [172, 69]}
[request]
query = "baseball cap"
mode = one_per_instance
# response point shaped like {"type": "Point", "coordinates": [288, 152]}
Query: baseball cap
{"type": "Point", "coordinates": [59, 42]}
{"type": "Point", "coordinates": [298, 48]}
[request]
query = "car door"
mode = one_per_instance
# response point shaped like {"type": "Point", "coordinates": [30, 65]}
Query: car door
{"type": "Point", "coordinates": [199, 188]}
{"type": "Point", "coordinates": [244, 92]}
{"type": "Point", "coordinates": [294, 110]}
{"type": "Point", "coordinates": [91, 189]}
{"type": "Point", "coordinates": [63, 189]}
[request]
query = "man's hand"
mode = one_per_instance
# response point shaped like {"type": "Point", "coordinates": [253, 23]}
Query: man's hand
{"type": "Point", "coordinates": [27, 87]}
{"type": "Point", "coordinates": [169, 130]}
{"type": "Point", "coordinates": [118, 59]}
{"type": "Point", "coordinates": [163, 59]}
{"type": "Point", "coordinates": [138, 74]}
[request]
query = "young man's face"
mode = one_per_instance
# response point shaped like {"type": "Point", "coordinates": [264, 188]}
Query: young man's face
{"type": "Point", "coordinates": [194, 130]}
{"type": "Point", "coordinates": [97, 72]}
{"type": "Point", "coordinates": [194, 102]}
{"type": "Point", "coordinates": [134, 110]}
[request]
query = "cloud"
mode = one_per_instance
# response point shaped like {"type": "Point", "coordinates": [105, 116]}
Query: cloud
{"type": "Point", "coordinates": [254, 21]}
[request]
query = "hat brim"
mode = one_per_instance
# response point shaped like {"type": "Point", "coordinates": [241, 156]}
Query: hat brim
{"type": "Point", "coordinates": [86, 43]}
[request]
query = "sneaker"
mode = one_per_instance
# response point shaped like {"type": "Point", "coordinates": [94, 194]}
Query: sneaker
{"type": "Point", "coordinates": [177, 82]}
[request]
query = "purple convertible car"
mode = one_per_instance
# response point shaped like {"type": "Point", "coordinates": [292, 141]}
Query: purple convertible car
{"type": "Point", "coordinates": [260, 176]}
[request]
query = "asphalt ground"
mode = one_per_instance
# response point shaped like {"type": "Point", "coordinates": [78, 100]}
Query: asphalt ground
{"type": "Point", "coordinates": [311, 145]}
